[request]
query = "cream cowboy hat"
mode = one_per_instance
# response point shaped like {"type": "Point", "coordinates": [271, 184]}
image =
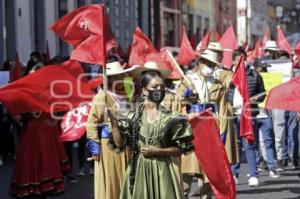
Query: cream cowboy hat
{"type": "Point", "coordinates": [216, 46]}
{"type": "Point", "coordinates": [271, 45]}
{"type": "Point", "coordinates": [211, 56]}
{"type": "Point", "coordinates": [149, 66]}
{"type": "Point", "coordinates": [115, 68]}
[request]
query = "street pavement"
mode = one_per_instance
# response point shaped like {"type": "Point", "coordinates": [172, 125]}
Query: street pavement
{"type": "Point", "coordinates": [286, 187]}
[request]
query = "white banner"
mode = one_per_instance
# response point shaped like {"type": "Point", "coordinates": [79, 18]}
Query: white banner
{"type": "Point", "coordinates": [283, 66]}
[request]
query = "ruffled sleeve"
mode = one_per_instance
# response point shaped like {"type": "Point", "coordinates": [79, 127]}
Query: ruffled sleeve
{"type": "Point", "coordinates": [181, 134]}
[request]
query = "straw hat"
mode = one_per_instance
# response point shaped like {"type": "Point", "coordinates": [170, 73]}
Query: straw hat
{"type": "Point", "coordinates": [150, 66]}
{"type": "Point", "coordinates": [211, 56]}
{"type": "Point", "coordinates": [115, 68]}
{"type": "Point", "coordinates": [271, 45]}
{"type": "Point", "coordinates": [216, 46]}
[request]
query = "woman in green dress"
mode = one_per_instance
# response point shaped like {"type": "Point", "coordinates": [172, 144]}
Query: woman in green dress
{"type": "Point", "coordinates": [154, 135]}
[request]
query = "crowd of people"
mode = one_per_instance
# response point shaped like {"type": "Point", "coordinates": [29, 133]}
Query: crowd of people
{"type": "Point", "coordinates": [141, 144]}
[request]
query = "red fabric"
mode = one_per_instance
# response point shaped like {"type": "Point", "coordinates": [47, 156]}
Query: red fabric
{"type": "Point", "coordinates": [282, 42]}
{"type": "Point", "coordinates": [39, 91]}
{"type": "Point", "coordinates": [87, 29]}
{"type": "Point", "coordinates": [228, 41]}
{"type": "Point", "coordinates": [166, 56]}
{"type": "Point", "coordinates": [257, 51]}
{"type": "Point", "coordinates": [285, 96]}
{"type": "Point", "coordinates": [186, 52]}
{"type": "Point", "coordinates": [73, 124]}
{"type": "Point", "coordinates": [94, 83]}
{"type": "Point", "coordinates": [297, 49]}
{"type": "Point", "coordinates": [194, 41]}
{"type": "Point", "coordinates": [16, 72]}
{"type": "Point", "coordinates": [40, 159]}
{"type": "Point", "coordinates": [239, 80]}
{"type": "Point", "coordinates": [47, 54]}
{"type": "Point", "coordinates": [141, 46]}
{"type": "Point", "coordinates": [204, 42]}
{"type": "Point", "coordinates": [212, 156]}
{"type": "Point", "coordinates": [266, 36]}
{"type": "Point", "coordinates": [217, 36]}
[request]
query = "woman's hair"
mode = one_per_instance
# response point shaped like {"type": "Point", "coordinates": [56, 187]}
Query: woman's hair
{"type": "Point", "coordinates": [148, 76]}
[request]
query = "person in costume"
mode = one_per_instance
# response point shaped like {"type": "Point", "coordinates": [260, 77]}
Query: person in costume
{"type": "Point", "coordinates": [205, 91]}
{"type": "Point", "coordinates": [154, 135]}
{"type": "Point", "coordinates": [109, 167]}
{"type": "Point", "coordinates": [40, 158]}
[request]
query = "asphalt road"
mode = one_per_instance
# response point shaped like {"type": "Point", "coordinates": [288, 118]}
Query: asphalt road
{"type": "Point", "coordinates": [286, 187]}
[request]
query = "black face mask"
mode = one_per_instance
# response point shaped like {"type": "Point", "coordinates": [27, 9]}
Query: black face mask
{"type": "Point", "coordinates": [157, 95]}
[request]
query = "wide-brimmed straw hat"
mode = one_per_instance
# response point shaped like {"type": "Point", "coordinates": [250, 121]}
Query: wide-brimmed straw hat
{"type": "Point", "coordinates": [115, 68]}
{"type": "Point", "coordinates": [216, 46]}
{"type": "Point", "coordinates": [271, 45]}
{"type": "Point", "coordinates": [149, 66]}
{"type": "Point", "coordinates": [211, 56]}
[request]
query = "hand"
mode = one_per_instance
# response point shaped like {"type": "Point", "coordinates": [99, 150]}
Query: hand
{"type": "Point", "coordinates": [298, 116]}
{"type": "Point", "coordinates": [150, 151]}
{"type": "Point", "coordinates": [93, 158]}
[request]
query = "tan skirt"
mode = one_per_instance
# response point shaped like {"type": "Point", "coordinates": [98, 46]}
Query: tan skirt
{"type": "Point", "coordinates": [109, 173]}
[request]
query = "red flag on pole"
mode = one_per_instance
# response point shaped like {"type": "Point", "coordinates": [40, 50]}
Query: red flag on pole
{"type": "Point", "coordinates": [16, 72]}
{"type": "Point", "coordinates": [186, 52]}
{"type": "Point", "coordinates": [239, 80]}
{"type": "Point", "coordinates": [256, 52]}
{"type": "Point", "coordinates": [53, 88]}
{"type": "Point", "coordinates": [297, 49]}
{"type": "Point", "coordinates": [228, 41]}
{"type": "Point", "coordinates": [87, 29]}
{"type": "Point", "coordinates": [73, 124]}
{"type": "Point", "coordinates": [217, 36]}
{"type": "Point", "coordinates": [266, 36]}
{"type": "Point", "coordinates": [204, 42]}
{"type": "Point", "coordinates": [141, 47]}
{"type": "Point", "coordinates": [285, 96]}
{"type": "Point", "coordinates": [166, 56]}
{"type": "Point", "coordinates": [282, 42]}
{"type": "Point", "coordinates": [212, 156]}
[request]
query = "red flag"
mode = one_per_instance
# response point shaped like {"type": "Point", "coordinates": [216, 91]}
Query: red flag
{"type": "Point", "coordinates": [228, 41]}
{"type": "Point", "coordinates": [87, 29]}
{"type": "Point", "coordinates": [285, 96]}
{"type": "Point", "coordinates": [141, 47]}
{"type": "Point", "coordinates": [194, 41]}
{"type": "Point", "coordinates": [47, 53]}
{"type": "Point", "coordinates": [186, 52]}
{"type": "Point", "coordinates": [53, 88]}
{"type": "Point", "coordinates": [204, 42]}
{"type": "Point", "coordinates": [217, 36]}
{"type": "Point", "coordinates": [297, 49]}
{"type": "Point", "coordinates": [212, 156]}
{"type": "Point", "coordinates": [239, 80]}
{"type": "Point", "coordinates": [94, 83]}
{"type": "Point", "coordinates": [266, 36]}
{"type": "Point", "coordinates": [257, 51]}
{"type": "Point", "coordinates": [16, 72]}
{"type": "Point", "coordinates": [73, 124]}
{"type": "Point", "coordinates": [166, 56]}
{"type": "Point", "coordinates": [282, 42]}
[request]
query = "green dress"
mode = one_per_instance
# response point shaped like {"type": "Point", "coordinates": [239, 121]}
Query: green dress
{"type": "Point", "coordinates": [155, 177]}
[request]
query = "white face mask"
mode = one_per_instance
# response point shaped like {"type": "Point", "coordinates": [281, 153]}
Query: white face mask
{"type": "Point", "coordinates": [207, 71]}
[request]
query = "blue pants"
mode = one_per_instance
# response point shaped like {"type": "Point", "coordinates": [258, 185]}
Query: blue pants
{"type": "Point", "coordinates": [250, 151]}
{"type": "Point", "coordinates": [292, 137]}
{"type": "Point", "coordinates": [266, 127]}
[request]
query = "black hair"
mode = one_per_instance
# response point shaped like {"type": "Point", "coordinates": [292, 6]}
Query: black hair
{"type": "Point", "coordinates": [283, 53]}
{"type": "Point", "coordinates": [237, 52]}
{"type": "Point", "coordinates": [147, 76]}
{"type": "Point", "coordinates": [7, 64]}
{"type": "Point", "coordinates": [192, 64]}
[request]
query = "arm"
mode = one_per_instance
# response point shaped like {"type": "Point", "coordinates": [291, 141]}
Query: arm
{"type": "Point", "coordinates": [155, 151]}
